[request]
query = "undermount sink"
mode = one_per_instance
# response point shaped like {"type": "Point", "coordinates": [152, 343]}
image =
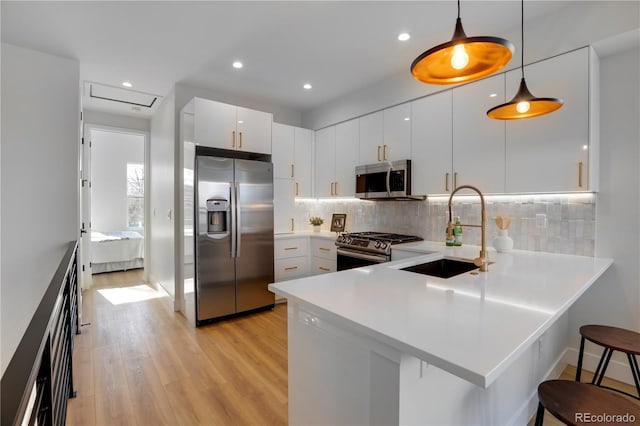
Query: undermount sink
{"type": "Point", "coordinates": [442, 268]}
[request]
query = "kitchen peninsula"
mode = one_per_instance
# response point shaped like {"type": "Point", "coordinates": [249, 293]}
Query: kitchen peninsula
{"type": "Point", "coordinates": [379, 345]}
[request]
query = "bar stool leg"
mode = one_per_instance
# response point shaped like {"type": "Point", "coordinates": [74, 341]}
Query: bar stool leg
{"type": "Point", "coordinates": [604, 367]}
{"type": "Point", "coordinates": [633, 363]}
{"type": "Point", "coordinates": [539, 415]}
{"type": "Point", "coordinates": [580, 355]}
{"type": "Point", "coordinates": [597, 372]}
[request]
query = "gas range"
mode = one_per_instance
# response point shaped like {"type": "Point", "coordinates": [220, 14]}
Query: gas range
{"type": "Point", "coordinates": [373, 242]}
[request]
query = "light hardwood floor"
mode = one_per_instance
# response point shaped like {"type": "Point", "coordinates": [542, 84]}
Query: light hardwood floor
{"type": "Point", "coordinates": [140, 363]}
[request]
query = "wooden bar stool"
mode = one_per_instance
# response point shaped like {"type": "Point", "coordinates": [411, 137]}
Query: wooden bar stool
{"type": "Point", "coordinates": [612, 339]}
{"type": "Point", "coordinates": [577, 403]}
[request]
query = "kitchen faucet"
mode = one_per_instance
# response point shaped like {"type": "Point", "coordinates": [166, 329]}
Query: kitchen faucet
{"type": "Point", "coordinates": [482, 261]}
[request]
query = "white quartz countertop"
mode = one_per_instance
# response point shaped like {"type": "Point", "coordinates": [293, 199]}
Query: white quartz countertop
{"type": "Point", "coordinates": [472, 326]}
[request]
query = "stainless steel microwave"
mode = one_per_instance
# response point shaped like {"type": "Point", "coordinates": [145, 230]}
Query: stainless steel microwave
{"type": "Point", "coordinates": [385, 181]}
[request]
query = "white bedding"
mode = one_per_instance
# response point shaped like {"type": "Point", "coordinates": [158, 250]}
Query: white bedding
{"type": "Point", "coordinates": [116, 250]}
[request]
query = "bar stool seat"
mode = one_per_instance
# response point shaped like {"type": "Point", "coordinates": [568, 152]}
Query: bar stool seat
{"type": "Point", "coordinates": [612, 339]}
{"type": "Point", "coordinates": [577, 403]}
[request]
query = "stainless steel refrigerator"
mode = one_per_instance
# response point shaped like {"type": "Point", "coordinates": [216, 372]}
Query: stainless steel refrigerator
{"type": "Point", "coordinates": [234, 236]}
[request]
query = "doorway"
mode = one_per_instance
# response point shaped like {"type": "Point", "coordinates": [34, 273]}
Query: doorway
{"type": "Point", "coordinates": [114, 205]}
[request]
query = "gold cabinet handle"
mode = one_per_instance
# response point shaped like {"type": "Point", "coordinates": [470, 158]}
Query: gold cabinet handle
{"type": "Point", "coordinates": [335, 191]}
{"type": "Point", "coordinates": [446, 182]}
{"type": "Point", "coordinates": [324, 269]}
{"type": "Point", "coordinates": [379, 153]}
{"type": "Point", "coordinates": [292, 224]}
{"type": "Point", "coordinates": [292, 170]}
{"type": "Point", "coordinates": [240, 139]}
{"type": "Point", "coordinates": [332, 193]}
{"type": "Point", "coordinates": [580, 174]}
{"type": "Point", "coordinates": [324, 249]}
{"type": "Point", "coordinates": [291, 268]}
{"type": "Point", "coordinates": [233, 139]}
{"type": "Point", "coordinates": [384, 153]}
{"type": "Point", "coordinates": [455, 180]}
{"type": "Point", "coordinates": [291, 248]}
{"type": "Point", "coordinates": [297, 189]}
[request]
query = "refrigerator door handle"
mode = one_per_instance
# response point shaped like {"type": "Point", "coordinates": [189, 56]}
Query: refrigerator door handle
{"type": "Point", "coordinates": [232, 196]}
{"type": "Point", "coordinates": [238, 221]}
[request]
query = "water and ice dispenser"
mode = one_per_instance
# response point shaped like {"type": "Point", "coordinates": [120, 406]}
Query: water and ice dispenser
{"type": "Point", "coordinates": [217, 216]}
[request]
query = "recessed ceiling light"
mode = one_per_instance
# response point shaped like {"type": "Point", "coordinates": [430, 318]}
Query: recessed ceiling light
{"type": "Point", "coordinates": [240, 122]}
{"type": "Point", "coordinates": [585, 147]}
{"type": "Point", "coordinates": [237, 64]}
{"type": "Point", "coordinates": [493, 95]}
{"type": "Point", "coordinates": [407, 119]}
{"type": "Point", "coordinates": [404, 36]}
{"type": "Point", "coordinates": [127, 84]}
{"type": "Point", "coordinates": [307, 86]}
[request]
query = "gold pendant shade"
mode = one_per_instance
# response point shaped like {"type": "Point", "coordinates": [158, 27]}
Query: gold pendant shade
{"type": "Point", "coordinates": [524, 105]}
{"type": "Point", "coordinates": [462, 59]}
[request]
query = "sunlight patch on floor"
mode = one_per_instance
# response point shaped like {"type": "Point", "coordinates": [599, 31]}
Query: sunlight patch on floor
{"type": "Point", "coordinates": [130, 294]}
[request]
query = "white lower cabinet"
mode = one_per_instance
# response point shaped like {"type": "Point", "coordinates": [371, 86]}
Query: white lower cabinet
{"type": "Point", "coordinates": [323, 256]}
{"type": "Point", "coordinates": [291, 259]}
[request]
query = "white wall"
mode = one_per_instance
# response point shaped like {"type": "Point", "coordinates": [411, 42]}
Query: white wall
{"type": "Point", "coordinates": [161, 175]}
{"type": "Point", "coordinates": [110, 153]}
{"type": "Point", "coordinates": [40, 199]}
{"type": "Point", "coordinates": [116, 120]}
{"type": "Point", "coordinates": [615, 298]}
{"type": "Point", "coordinates": [577, 25]}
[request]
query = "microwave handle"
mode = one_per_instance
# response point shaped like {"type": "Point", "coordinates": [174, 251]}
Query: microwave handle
{"type": "Point", "coordinates": [389, 181]}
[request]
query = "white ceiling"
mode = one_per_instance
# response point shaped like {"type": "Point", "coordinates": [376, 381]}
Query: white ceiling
{"type": "Point", "coordinates": [339, 47]}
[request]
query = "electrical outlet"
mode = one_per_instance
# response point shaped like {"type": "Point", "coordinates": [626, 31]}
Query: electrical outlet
{"type": "Point", "coordinates": [541, 220]}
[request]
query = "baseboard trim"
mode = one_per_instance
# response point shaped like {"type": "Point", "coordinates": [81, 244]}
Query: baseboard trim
{"type": "Point", "coordinates": [616, 370]}
{"type": "Point", "coordinates": [528, 409]}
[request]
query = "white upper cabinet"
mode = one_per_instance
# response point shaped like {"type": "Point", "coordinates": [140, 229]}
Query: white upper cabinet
{"type": "Point", "coordinates": [253, 131]}
{"type": "Point", "coordinates": [371, 138]}
{"type": "Point", "coordinates": [282, 151]}
{"type": "Point", "coordinates": [220, 125]}
{"type": "Point", "coordinates": [346, 158]}
{"type": "Point", "coordinates": [397, 133]}
{"type": "Point", "coordinates": [325, 161]}
{"type": "Point", "coordinates": [431, 149]}
{"type": "Point", "coordinates": [551, 152]}
{"type": "Point", "coordinates": [303, 160]}
{"type": "Point", "coordinates": [478, 141]}
{"type": "Point", "coordinates": [336, 160]}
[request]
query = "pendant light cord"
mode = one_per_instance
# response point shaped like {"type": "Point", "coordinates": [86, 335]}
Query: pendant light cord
{"type": "Point", "coordinates": [521, 36]}
{"type": "Point", "coordinates": [458, 9]}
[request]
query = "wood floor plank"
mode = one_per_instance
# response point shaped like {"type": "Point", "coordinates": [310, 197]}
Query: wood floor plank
{"type": "Point", "coordinates": [81, 411]}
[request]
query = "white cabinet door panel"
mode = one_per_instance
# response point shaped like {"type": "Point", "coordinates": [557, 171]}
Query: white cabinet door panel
{"type": "Point", "coordinates": [478, 141]}
{"type": "Point", "coordinates": [397, 133]}
{"type": "Point", "coordinates": [253, 131]}
{"type": "Point", "coordinates": [290, 268]}
{"type": "Point", "coordinates": [290, 247]}
{"type": "Point", "coordinates": [325, 161]}
{"type": "Point", "coordinates": [371, 138]}
{"type": "Point", "coordinates": [283, 206]}
{"type": "Point", "coordinates": [543, 153]}
{"type": "Point", "coordinates": [303, 160]}
{"type": "Point", "coordinates": [431, 145]}
{"type": "Point", "coordinates": [215, 124]}
{"type": "Point", "coordinates": [320, 265]}
{"type": "Point", "coordinates": [346, 158]}
{"type": "Point", "coordinates": [283, 149]}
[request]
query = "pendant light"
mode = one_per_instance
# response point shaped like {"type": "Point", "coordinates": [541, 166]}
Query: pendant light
{"type": "Point", "coordinates": [524, 104]}
{"type": "Point", "coordinates": [462, 59]}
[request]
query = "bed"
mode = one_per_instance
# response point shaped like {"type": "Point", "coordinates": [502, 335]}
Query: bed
{"type": "Point", "coordinates": [116, 251]}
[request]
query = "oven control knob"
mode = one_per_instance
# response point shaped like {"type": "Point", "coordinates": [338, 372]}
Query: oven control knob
{"type": "Point", "coordinates": [340, 239]}
{"type": "Point", "coordinates": [383, 245]}
{"type": "Point", "coordinates": [347, 240]}
{"type": "Point", "coordinates": [378, 244]}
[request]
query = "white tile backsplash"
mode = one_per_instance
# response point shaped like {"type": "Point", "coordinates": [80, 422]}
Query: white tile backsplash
{"type": "Point", "coordinates": [570, 219]}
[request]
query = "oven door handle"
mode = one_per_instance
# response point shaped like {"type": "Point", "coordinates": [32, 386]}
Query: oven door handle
{"type": "Point", "coordinates": [389, 181]}
{"type": "Point", "coordinates": [363, 256]}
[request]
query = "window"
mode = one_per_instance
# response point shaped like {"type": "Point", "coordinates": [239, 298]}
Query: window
{"type": "Point", "coordinates": [135, 195]}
